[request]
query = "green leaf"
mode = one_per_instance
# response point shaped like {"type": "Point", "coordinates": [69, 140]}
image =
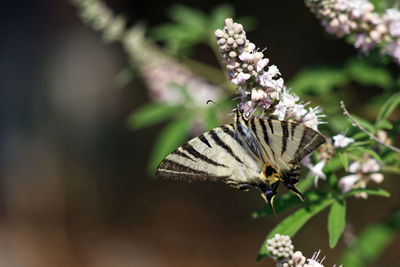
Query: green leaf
{"type": "Point", "coordinates": [293, 223]}
{"type": "Point", "coordinates": [172, 136]}
{"type": "Point", "coordinates": [383, 124]}
{"type": "Point", "coordinates": [336, 221]}
{"type": "Point", "coordinates": [367, 74]}
{"type": "Point", "coordinates": [344, 160]}
{"type": "Point", "coordinates": [306, 183]}
{"type": "Point", "coordinates": [366, 124]}
{"type": "Point", "coordinates": [193, 19]}
{"type": "Point", "coordinates": [391, 103]}
{"type": "Point", "coordinates": [318, 80]}
{"type": "Point", "coordinates": [151, 114]}
{"type": "Point", "coordinates": [281, 204]}
{"type": "Point", "coordinates": [372, 153]}
{"type": "Point", "coordinates": [288, 201]}
{"type": "Point", "coordinates": [359, 135]}
{"type": "Point", "coordinates": [369, 191]}
{"type": "Point", "coordinates": [369, 245]}
{"type": "Point", "coordinates": [360, 150]}
{"type": "Point", "coordinates": [218, 15]}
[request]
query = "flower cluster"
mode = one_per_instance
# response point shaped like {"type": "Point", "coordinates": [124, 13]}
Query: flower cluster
{"type": "Point", "coordinates": [96, 14]}
{"type": "Point", "coordinates": [280, 249]}
{"type": "Point", "coordinates": [325, 153]}
{"type": "Point", "coordinates": [363, 171]}
{"type": "Point", "coordinates": [167, 80]}
{"type": "Point", "coordinates": [262, 90]}
{"type": "Point", "coordinates": [357, 18]}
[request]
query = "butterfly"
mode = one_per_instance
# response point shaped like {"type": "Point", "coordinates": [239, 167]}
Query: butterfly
{"type": "Point", "coordinates": [249, 152]}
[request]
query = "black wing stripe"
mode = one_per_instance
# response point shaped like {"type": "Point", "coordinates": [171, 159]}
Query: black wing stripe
{"type": "Point", "coordinates": [229, 132]}
{"type": "Point", "coordinates": [221, 143]}
{"type": "Point", "coordinates": [170, 165]}
{"type": "Point", "coordinates": [292, 127]}
{"type": "Point", "coordinates": [176, 152]}
{"type": "Point", "coordinates": [204, 140]}
{"type": "Point", "coordinates": [309, 141]}
{"type": "Point", "coordinates": [271, 126]}
{"type": "Point", "coordinates": [265, 132]}
{"type": "Point", "coordinates": [171, 170]}
{"type": "Point", "coordinates": [266, 138]}
{"type": "Point", "coordinates": [200, 156]}
{"type": "Point", "coordinates": [285, 135]}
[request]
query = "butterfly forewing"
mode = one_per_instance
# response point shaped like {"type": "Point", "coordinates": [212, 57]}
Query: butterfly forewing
{"type": "Point", "coordinates": [217, 155]}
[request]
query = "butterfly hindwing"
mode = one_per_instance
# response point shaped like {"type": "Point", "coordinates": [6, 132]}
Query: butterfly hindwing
{"type": "Point", "coordinates": [284, 143]}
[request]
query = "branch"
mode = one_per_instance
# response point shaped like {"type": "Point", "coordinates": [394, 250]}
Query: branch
{"type": "Point", "coordinates": [345, 112]}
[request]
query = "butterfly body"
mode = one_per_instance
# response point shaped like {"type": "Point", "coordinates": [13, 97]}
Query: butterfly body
{"type": "Point", "coordinates": [254, 152]}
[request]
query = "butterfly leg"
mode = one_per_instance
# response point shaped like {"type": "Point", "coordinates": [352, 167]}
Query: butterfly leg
{"type": "Point", "coordinates": [268, 192]}
{"type": "Point", "coordinates": [290, 180]}
{"type": "Point", "coordinates": [244, 187]}
{"type": "Point", "coordinates": [241, 186]}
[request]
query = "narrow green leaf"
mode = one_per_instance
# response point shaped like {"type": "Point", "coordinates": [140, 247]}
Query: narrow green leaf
{"type": "Point", "coordinates": [281, 204]}
{"type": "Point", "coordinates": [360, 150]}
{"type": "Point", "coordinates": [218, 15]}
{"type": "Point", "coordinates": [288, 201]}
{"type": "Point", "coordinates": [388, 107]}
{"type": "Point", "coordinates": [383, 124]}
{"type": "Point", "coordinates": [391, 169]}
{"type": "Point", "coordinates": [364, 123]}
{"type": "Point", "coordinates": [319, 80]}
{"type": "Point", "coordinates": [172, 136]}
{"type": "Point", "coordinates": [306, 183]}
{"type": "Point", "coordinates": [369, 245]}
{"type": "Point", "coordinates": [367, 74]}
{"type": "Point", "coordinates": [373, 154]}
{"type": "Point", "coordinates": [336, 221]}
{"type": "Point", "coordinates": [359, 135]}
{"type": "Point", "coordinates": [359, 143]}
{"type": "Point", "coordinates": [344, 160]}
{"type": "Point", "coordinates": [369, 191]}
{"type": "Point", "coordinates": [151, 114]}
{"type": "Point", "coordinates": [293, 223]}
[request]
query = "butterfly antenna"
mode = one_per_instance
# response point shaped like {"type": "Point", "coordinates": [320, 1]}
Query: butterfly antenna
{"type": "Point", "coordinates": [218, 105]}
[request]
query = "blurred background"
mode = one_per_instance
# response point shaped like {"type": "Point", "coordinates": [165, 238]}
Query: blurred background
{"type": "Point", "coordinates": [74, 187]}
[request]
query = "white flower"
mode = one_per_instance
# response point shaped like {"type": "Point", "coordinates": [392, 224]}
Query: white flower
{"type": "Point", "coordinates": [289, 99]}
{"type": "Point", "coordinates": [393, 49]}
{"type": "Point", "coordinates": [299, 111]}
{"type": "Point", "coordinates": [315, 169]}
{"type": "Point", "coordinates": [261, 64]}
{"type": "Point", "coordinates": [347, 182]}
{"type": "Point", "coordinates": [342, 141]}
{"type": "Point", "coordinates": [363, 172]}
{"type": "Point", "coordinates": [241, 77]}
{"type": "Point", "coordinates": [273, 71]}
{"type": "Point", "coordinates": [246, 56]}
{"type": "Point", "coordinates": [314, 262]}
{"type": "Point", "coordinates": [370, 165]}
{"type": "Point", "coordinates": [311, 119]}
{"type": "Point", "coordinates": [280, 111]}
{"type": "Point", "coordinates": [257, 95]}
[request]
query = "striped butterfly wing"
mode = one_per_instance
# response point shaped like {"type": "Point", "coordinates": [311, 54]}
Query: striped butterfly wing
{"type": "Point", "coordinates": [217, 155]}
{"type": "Point", "coordinates": [285, 143]}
